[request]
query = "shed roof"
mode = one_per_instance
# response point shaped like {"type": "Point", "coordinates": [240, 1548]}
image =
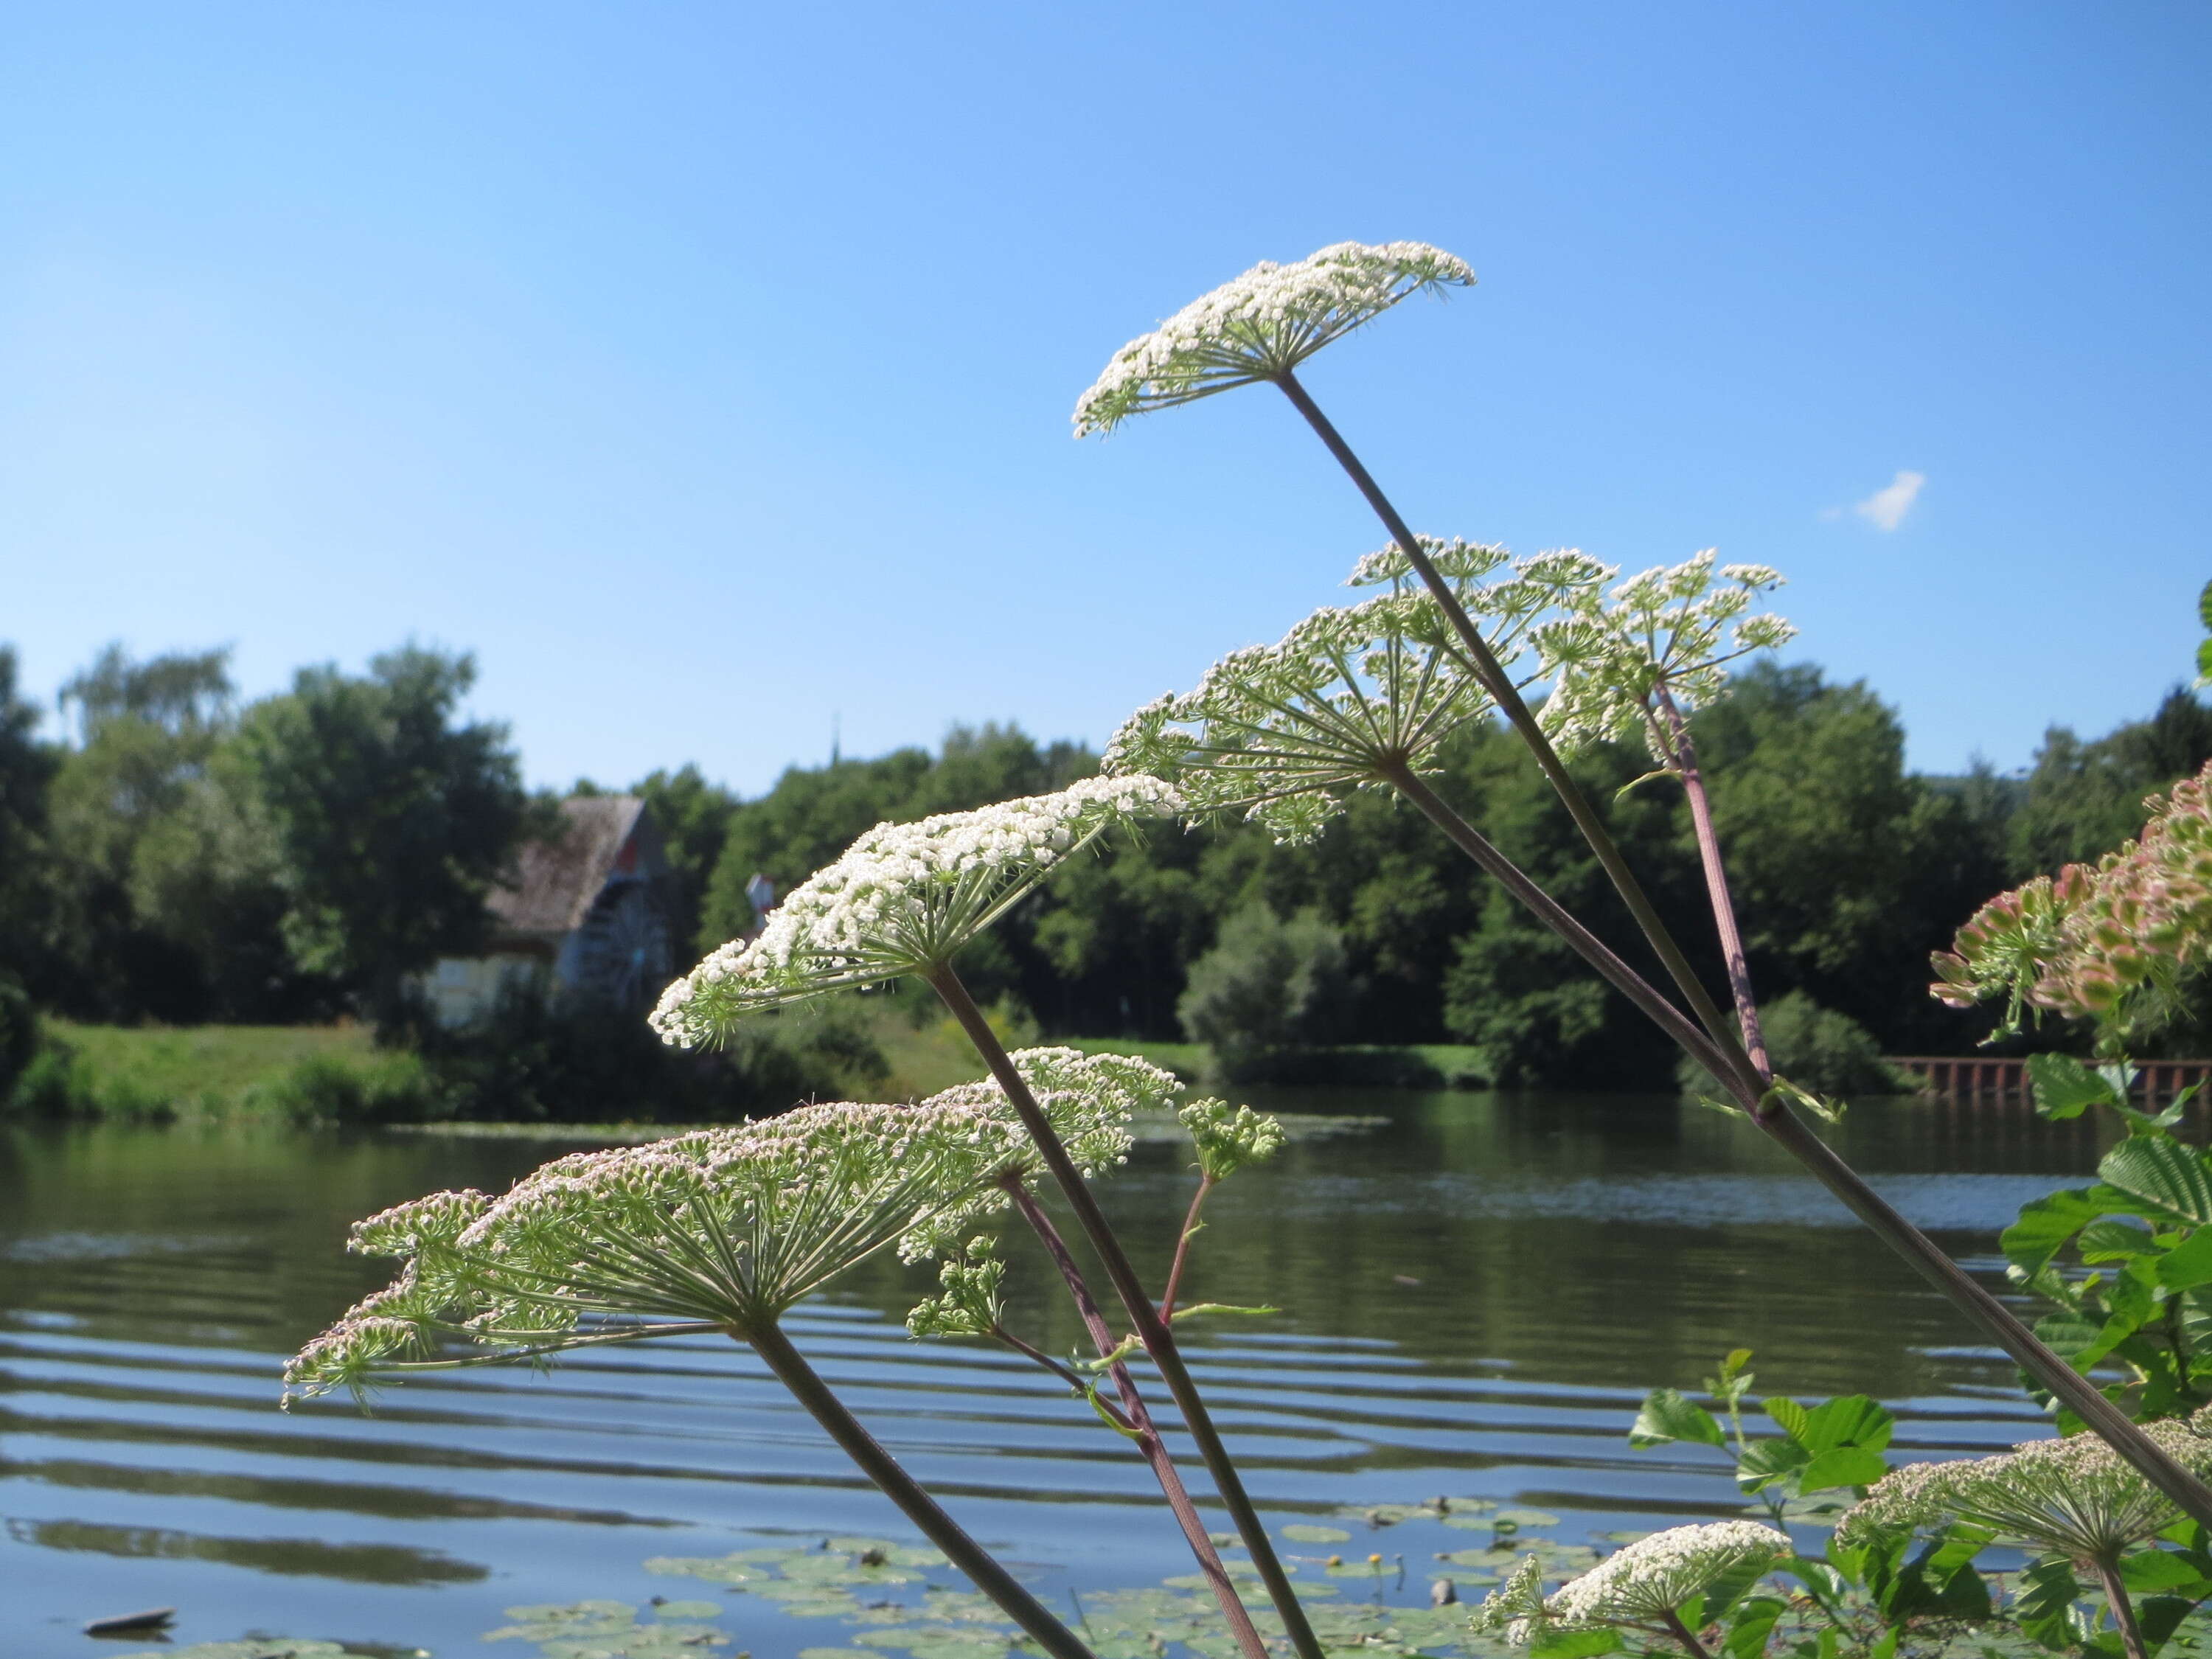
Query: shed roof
{"type": "Point", "coordinates": [559, 879]}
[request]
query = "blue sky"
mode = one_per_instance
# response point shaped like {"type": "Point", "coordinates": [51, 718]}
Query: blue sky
{"type": "Point", "coordinates": [706, 369]}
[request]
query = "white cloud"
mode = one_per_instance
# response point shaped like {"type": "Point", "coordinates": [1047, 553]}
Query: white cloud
{"type": "Point", "coordinates": [1886, 508]}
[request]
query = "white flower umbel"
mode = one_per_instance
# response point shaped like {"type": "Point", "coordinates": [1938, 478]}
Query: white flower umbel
{"type": "Point", "coordinates": [1262, 325]}
{"type": "Point", "coordinates": [1283, 733]}
{"type": "Point", "coordinates": [900, 901]}
{"type": "Point", "coordinates": [717, 1230]}
{"type": "Point", "coordinates": [1628, 662]}
{"type": "Point", "coordinates": [2073, 1496]}
{"type": "Point", "coordinates": [1640, 1587]}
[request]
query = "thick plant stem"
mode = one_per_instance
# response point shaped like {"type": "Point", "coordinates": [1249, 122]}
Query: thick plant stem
{"type": "Point", "coordinates": [1774, 1119]}
{"type": "Point", "coordinates": [2124, 1610]}
{"type": "Point", "coordinates": [1140, 1423]}
{"type": "Point", "coordinates": [1151, 1330]}
{"type": "Point", "coordinates": [1682, 755]}
{"type": "Point", "coordinates": [1494, 680]}
{"type": "Point", "coordinates": [982, 1569]}
{"type": "Point", "coordinates": [1685, 1635]}
{"type": "Point", "coordinates": [1592, 950]}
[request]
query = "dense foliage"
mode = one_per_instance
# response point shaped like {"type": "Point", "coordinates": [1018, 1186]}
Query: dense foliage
{"type": "Point", "coordinates": [180, 859]}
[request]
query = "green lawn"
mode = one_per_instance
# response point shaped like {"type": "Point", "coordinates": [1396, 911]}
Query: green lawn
{"type": "Point", "coordinates": [208, 1071]}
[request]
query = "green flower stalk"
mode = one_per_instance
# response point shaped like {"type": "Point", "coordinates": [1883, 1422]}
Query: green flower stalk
{"type": "Point", "coordinates": [1170, 367]}
{"type": "Point", "coordinates": [2072, 1498]}
{"type": "Point", "coordinates": [902, 901]}
{"type": "Point", "coordinates": [1640, 1588]}
{"type": "Point", "coordinates": [1225, 1141]}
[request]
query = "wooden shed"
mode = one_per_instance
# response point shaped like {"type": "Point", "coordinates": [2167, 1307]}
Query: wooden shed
{"type": "Point", "coordinates": [588, 917]}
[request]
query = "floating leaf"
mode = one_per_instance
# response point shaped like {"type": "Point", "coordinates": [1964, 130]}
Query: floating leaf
{"type": "Point", "coordinates": [1303, 1532]}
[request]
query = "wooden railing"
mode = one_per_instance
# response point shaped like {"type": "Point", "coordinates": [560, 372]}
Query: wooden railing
{"type": "Point", "coordinates": [1976, 1075]}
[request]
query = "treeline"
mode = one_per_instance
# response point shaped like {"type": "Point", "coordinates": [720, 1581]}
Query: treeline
{"type": "Point", "coordinates": [1848, 871]}
{"type": "Point", "coordinates": [175, 856]}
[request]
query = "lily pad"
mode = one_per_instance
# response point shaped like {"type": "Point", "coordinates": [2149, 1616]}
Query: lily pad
{"type": "Point", "coordinates": [1304, 1532]}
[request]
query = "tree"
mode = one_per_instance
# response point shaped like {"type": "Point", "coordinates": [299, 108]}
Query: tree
{"type": "Point", "coordinates": [2085, 799]}
{"type": "Point", "coordinates": [392, 822]}
{"type": "Point", "coordinates": [694, 815]}
{"type": "Point", "coordinates": [145, 732]}
{"type": "Point", "coordinates": [27, 767]}
{"type": "Point", "coordinates": [1266, 987]}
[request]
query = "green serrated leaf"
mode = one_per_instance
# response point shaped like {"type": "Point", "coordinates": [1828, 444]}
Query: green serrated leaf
{"type": "Point", "coordinates": [2064, 1087]}
{"type": "Point", "coordinates": [2046, 1224]}
{"type": "Point", "coordinates": [1789, 1413]}
{"type": "Point", "coordinates": [2163, 1175]}
{"type": "Point", "coordinates": [1842, 1466]}
{"type": "Point", "coordinates": [2188, 1264]}
{"type": "Point", "coordinates": [1667, 1416]}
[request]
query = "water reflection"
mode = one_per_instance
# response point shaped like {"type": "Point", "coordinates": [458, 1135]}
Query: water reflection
{"type": "Point", "coordinates": [1473, 1301]}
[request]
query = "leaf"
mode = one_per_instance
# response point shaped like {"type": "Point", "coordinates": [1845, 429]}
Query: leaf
{"type": "Point", "coordinates": [1304, 1534]}
{"type": "Point", "coordinates": [1667, 1416]}
{"type": "Point", "coordinates": [2188, 1264]}
{"type": "Point", "coordinates": [1576, 1645]}
{"type": "Point", "coordinates": [2158, 1570]}
{"type": "Point", "coordinates": [1789, 1413]}
{"type": "Point", "coordinates": [1851, 1420]}
{"type": "Point", "coordinates": [2163, 1174]}
{"type": "Point", "coordinates": [1752, 1624]}
{"type": "Point", "coordinates": [2046, 1225]}
{"type": "Point", "coordinates": [1768, 1461]}
{"type": "Point", "coordinates": [1845, 1466]}
{"type": "Point", "coordinates": [2111, 1240]}
{"type": "Point", "coordinates": [2065, 1088]}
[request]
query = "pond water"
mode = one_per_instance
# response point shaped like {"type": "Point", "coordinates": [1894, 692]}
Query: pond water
{"type": "Point", "coordinates": [1473, 1301]}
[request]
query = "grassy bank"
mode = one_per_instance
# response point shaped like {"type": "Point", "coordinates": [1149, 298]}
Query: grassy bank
{"type": "Point", "coordinates": [164, 1073]}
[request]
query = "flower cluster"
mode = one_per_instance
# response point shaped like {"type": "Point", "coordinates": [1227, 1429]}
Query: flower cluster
{"type": "Point", "coordinates": [1351, 697]}
{"type": "Point", "coordinates": [1286, 732]}
{"type": "Point", "coordinates": [2074, 1496]}
{"type": "Point", "coordinates": [2094, 941]}
{"type": "Point", "coordinates": [901, 900]}
{"type": "Point", "coordinates": [1638, 1587]}
{"type": "Point", "coordinates": [1661, 638]}
{"type": "Point", "coordinates": [718, 1229]}
{"type": "Point", "coordinates": [1226, 1139]}
{"type": "Point", "coordinates": [1262, 325]}
{"type": "Point", "coordinates": [970, 1302]}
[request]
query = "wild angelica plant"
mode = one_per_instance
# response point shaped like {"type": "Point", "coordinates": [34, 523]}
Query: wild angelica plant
{"type": "Point", "coordinates": [719, 1230]}
{"type": "Point", "coordinates": [2072, 1499]}
{"type": "Point", "coordinates": [1260, 328]}
{"type": "Point", "coordinates": [903, 901]}
{"type": "Point", "coordinates": [1641, 1587]}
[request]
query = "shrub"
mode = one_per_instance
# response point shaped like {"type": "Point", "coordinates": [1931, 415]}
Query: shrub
{"type": "Point", "coordinates": [1267, 988]}
{"type": "Point", "coordinates": [396, 1089]}
{"type": "Point", "coordinates": [1816, 1048]}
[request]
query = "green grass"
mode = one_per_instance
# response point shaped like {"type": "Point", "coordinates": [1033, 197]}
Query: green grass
{"type": "Point", "coordinates": [160, 1072]}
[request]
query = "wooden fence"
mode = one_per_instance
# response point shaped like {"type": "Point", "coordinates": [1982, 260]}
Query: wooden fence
{"type": "Point", "coordinates": [1969, 1074]}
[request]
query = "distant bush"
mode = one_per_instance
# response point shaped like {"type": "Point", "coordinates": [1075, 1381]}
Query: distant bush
{"type": "Point", "coordinates": [397, 1089]}
{"type": "Point", "coordinates": [1267, 987]}
{"type": "Point", "coordinates": [58, 1083]}
{"type": "Point", "coordinates": [1816, 1048]}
